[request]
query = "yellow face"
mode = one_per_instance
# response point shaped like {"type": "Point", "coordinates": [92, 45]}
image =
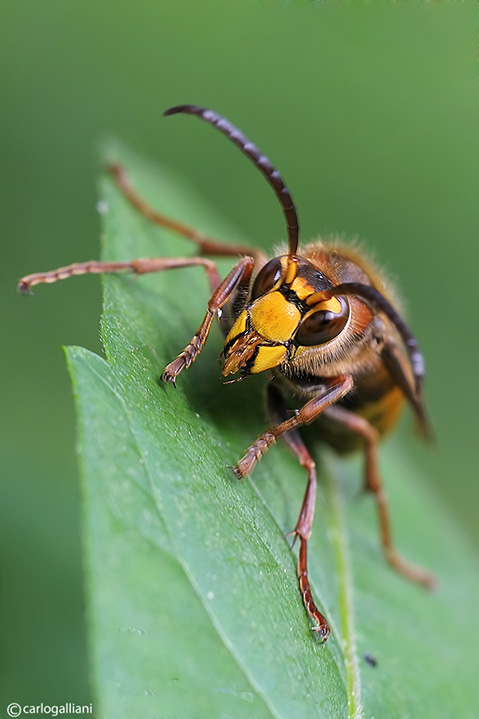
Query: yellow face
{"type": "Point", "coordinates": [286, 312]}
{"type": "Point", "coordinates": [257, 338]}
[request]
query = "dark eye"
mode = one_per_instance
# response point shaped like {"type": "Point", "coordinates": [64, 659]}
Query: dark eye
{"type": "Point", "coordinates": [321, 326]}
{"type": "Point", "coordinates": [266, 278]}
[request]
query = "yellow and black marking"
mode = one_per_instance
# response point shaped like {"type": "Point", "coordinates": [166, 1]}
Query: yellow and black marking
{"type": "Point", "coordinates": [325, 321]}
{"type": "Point", "coordinates": [287, 309]}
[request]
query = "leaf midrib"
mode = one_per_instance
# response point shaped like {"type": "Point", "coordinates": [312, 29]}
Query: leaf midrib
{"type": "Point", "coordinates": [346, 610]}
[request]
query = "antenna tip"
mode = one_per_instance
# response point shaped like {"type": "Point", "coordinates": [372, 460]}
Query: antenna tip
{"type": "Point", "coordinates": [189, 109]}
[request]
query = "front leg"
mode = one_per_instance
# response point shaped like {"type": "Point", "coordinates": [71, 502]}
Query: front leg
{"type": "Point", "coordinates": [240, 274]}
{"type": "Point", "coordinates": [335, 388]}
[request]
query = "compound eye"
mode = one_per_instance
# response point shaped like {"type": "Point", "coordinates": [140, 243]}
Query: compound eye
{"type": "Point", "coordinates": [322, 326]}
{"type": "Point", "coordinates": [266, 278]}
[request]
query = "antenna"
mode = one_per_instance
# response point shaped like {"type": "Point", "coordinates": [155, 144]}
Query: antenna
{"type": "Point", "coordinates": [257, 158]}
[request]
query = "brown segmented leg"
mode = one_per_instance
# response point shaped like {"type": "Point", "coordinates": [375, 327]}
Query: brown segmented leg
{"type": "Point", "coordinates": [139, 267]}
{"type": "Point", "coordinates": [142, 266]}
{"type": "Point", "coordinates": [373, 483]}
{"type": "Point", "coordinates": [322, 627]}
{"type": "Point", "coordinates": [277, 411]}
{"type": "Point", "coordinates": [206, 245]}
{"type": "Point", "coordinates": [240, 274]}
{"type": "Point", "coordinates": [335, 388]}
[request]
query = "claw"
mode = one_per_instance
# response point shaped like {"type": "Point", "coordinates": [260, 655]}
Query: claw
{"type": "Point", "coordinates": [323, 631]}
{"type": "Point", "coordinates": [237, 472]}
{"type": "Point", "coordinates": [24, 288]}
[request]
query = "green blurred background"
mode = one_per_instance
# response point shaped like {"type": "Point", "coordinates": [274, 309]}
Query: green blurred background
{"type": "Point", "coordinates": [371, 112]}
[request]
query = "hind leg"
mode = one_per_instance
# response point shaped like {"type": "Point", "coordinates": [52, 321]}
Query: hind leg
{"type": "Point", "coordinates": [373, 483]}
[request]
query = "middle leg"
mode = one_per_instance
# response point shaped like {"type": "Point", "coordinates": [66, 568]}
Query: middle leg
{"type": "Point", "coordinates": [206, 245]}
{"type": "Point", "coordinates": [278, 413]}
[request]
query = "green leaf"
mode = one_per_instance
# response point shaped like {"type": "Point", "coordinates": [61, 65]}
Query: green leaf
{"type": "Point", "coordinates": [193, 604]}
